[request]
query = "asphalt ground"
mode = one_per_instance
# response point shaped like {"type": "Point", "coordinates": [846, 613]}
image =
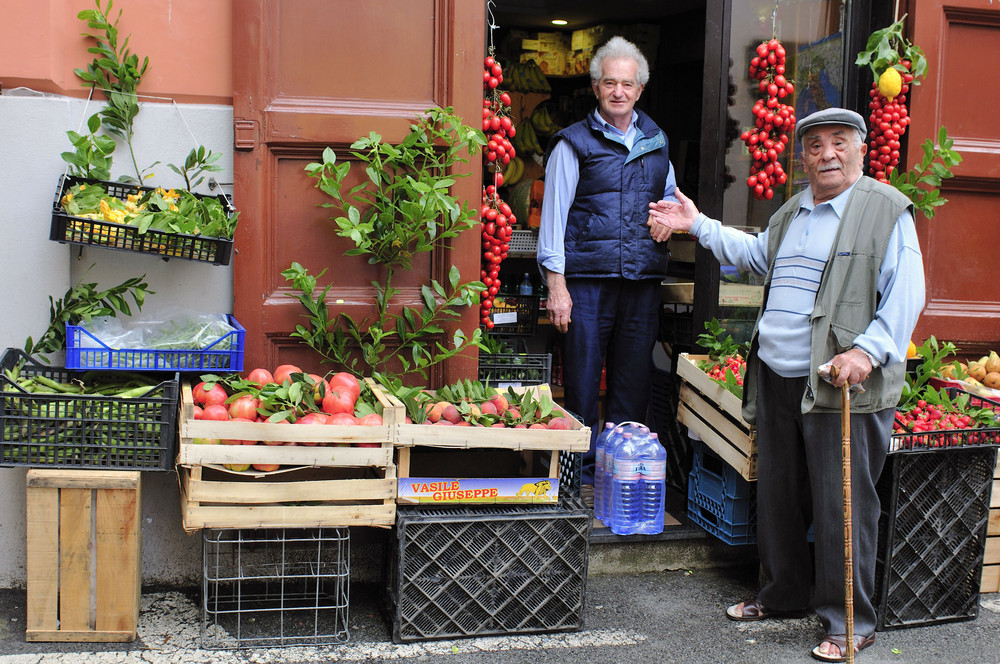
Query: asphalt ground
{"type": "Point", "coordinates": [668, 616]}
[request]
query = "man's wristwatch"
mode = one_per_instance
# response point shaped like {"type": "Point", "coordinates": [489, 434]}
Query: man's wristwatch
{"type": "Point", "coordinates": [871, 358]}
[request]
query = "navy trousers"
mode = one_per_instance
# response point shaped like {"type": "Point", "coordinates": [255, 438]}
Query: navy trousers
{"type": "Point", "coordinates": [614, 321]}
{"type": "Point", "coordinates": [800, 481]}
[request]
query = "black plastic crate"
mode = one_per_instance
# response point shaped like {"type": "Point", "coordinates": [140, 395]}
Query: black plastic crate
{"type": "Point", "coordinates": [932, 535]}
{"type": "Point", "coordinates": [49, 430]}
{"type": "Point", "coordinates": [570, 474]}
{"type": "Point", "coordinates": [932, 440]}
{"type": "Point", "coordinates": [677, 326]}
{"type": "Point", "coordinates": [515, 369]}
{"type": "Point", "coordinates": [121, 237]}
{"type": "Point", "coordinates": [662, 418]}
{"type": "Point", "coordinates": [474, 571]}
{"type": "Point", "coordinates": [514, 315]}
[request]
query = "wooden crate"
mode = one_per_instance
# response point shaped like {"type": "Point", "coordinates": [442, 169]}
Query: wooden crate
{"type": "Point", "coordinates": [297, 498]}
{"type": "Point", "coordinates": [333, 476]}
{"type": "Point", "coordinates": [991, 559]}
{"type": "Point", "coordinates": [84, 555]}
{"type": "Point", "coordinates": [529, 442]}
{"type": "Point", "coordinates": [715, 414]}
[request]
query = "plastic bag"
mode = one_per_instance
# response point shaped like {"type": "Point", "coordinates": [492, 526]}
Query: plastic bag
{"type": "Point", "coordinates": [186, 331]}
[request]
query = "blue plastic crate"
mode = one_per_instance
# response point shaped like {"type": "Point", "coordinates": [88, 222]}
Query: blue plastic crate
{"type": "Point", "coordinates": [719, 499]}
{"type": "Point", "coordinates": [730, 533]}
{"type": "Point", "coordinates": [224, 354]}
{"type": "Point", "coordinates": [719, 488]}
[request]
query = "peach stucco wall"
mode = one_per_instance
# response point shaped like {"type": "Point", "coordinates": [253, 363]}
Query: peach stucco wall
{"type": "Point", "coordinates": [188, 42]}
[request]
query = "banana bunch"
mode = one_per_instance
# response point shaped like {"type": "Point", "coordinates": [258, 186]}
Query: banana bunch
{"type": "Point", "coordinates": [526, 140]}
{"type": "Point", "coordinates": [526, 77]}
{"type": "Point", "coordinates": [542, 121]}
{"type": "Point", "coordinates": [514, 171]}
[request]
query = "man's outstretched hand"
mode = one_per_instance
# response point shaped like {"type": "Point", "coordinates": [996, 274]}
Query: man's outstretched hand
{"type": "Point", "coordinates": [665, 216]}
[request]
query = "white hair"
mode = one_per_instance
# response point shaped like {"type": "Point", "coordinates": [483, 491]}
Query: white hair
{"type": "Point", "coordinates": [618, 47]}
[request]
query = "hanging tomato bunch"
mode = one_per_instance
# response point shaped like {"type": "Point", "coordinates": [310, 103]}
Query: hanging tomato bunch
{"type": "Point", "coordinates": [767, 139]}
{"type": "Point", "coordinates": [495, 215]}
{"type": "Point", "coordinates": [888, 120]}
{"type": "Point", "coordinates": [497, 219]}
{"type": "Point", "coordinates": [497, 123]}
{"type": "Point", "coordinates": [895, 64]}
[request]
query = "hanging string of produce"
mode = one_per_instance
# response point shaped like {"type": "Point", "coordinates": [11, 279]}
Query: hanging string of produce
{"type": "Point", "coordinates": [495, 215]}
{"type": "Point", "coordinates": [769, 136]}
{"type": "Point", "coordinates": [896, 66]}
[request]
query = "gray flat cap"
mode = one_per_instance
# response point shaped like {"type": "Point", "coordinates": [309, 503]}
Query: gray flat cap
{"type": "Point", "coordinates": [840, 116]}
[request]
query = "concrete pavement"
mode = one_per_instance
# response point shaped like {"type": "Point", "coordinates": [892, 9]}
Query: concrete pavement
{"type": "Point", "coordinates": [665, 616]}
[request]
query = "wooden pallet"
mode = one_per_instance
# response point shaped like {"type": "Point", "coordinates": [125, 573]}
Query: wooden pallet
{"type": "Point", "coordinates": [715, 414]}
{"type": "Point", "coordinates": [84, 555]}
{"type": "Point", "coordinates": [332, 476]}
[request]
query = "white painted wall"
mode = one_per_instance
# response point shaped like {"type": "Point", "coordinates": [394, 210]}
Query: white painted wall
{"type": "Point", "coordinates": [32, 268]}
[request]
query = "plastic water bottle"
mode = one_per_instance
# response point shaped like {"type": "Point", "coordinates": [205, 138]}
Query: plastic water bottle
{"type": "Point", "coordinates": [653, 486]}
{"type": "Point", "coordinates": [625, 485]}
{"type": "Point", "coordinates": [614, 440]}
{"type": "Point", "coordinates": [600, 445]}
{"type": "Point", "coordinates": [526, 288]}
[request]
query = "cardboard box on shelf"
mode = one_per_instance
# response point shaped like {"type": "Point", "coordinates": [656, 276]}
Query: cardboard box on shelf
{"type": "Point", "coordinates": [549, 50]}
{"type": "Point", "coordinates": [587, 38]}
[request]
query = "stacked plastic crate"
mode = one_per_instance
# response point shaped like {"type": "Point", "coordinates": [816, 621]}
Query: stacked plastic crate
{"type": "Point", "coordinates": [719, 500]}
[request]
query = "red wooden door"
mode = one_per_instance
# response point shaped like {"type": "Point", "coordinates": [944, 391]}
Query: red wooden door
{"type": "Point", "coordinates": [960, 243]}
{"type": "Point", "coordinates": [311, 74]}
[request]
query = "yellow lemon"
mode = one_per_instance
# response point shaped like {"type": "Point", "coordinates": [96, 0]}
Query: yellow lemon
{"type": "Point", "coordinates": [911, 350]}
{"type": "Point", "coordinates": [890, 83]}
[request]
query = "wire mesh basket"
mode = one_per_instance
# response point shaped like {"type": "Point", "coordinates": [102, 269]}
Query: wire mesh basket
{"type": "Point", "coordinates": [269, 588]}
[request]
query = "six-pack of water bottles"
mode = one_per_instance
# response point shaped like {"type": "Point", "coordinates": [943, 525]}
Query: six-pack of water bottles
{"type": "Point", "coordinates": [630, 479]}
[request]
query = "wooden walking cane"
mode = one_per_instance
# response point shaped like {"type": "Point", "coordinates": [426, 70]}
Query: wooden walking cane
{"type": "Point", "coordinates": [845, 453]}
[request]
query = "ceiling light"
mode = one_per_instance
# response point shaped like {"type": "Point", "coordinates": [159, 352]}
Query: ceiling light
{"type": "Point", "coordinates": [559, 21]}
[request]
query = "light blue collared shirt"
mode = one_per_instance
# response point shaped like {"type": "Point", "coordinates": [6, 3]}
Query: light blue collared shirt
{"type": "Point", "coordinates": [562, 174]}
{"type": "Point", "coordinates": [784, 332]}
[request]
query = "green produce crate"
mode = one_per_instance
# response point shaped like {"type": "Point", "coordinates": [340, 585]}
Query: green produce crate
{"type": "Point", "coordinates": [64, 430]}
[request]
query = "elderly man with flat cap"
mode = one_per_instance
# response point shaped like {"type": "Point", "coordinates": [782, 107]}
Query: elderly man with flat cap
{"type": "Point", "coordinates": [844, 285]}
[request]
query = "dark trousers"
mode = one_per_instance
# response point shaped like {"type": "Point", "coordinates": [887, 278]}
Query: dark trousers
{"type": "Point", "coordinates": [800, 482]}
{"type": "Point", "coordinates": [614, 321]}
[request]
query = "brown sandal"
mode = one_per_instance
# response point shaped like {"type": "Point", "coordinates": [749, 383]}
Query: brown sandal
{"type": "Point", "coordinates": [753, 610]}
{"type": "Point", "coordinates": [840, 640]}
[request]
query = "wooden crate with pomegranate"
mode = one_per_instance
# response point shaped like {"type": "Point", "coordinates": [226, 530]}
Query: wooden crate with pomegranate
{"type": "Point", "coordinates": [479, 464]}
{"type": "Point", "coordinates": [286, 475]}
{"type": "Point", "coordinates": [714, 414]}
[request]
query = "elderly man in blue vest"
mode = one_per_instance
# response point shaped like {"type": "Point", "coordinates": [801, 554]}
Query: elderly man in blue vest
{"type": "Point", "coordinates": [844, 284]}
{"type": "Point", "coordinates": [601, 265]}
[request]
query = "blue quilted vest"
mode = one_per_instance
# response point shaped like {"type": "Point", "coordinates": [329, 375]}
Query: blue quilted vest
{"type": "Point", "coordinates": [606, 232]}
